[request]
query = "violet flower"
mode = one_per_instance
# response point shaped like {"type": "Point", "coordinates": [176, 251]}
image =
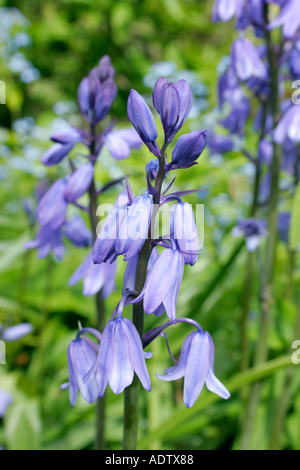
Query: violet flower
{"type": "Point", "coordinates": [56, 153]}
{"type": "Point", "coordinates": [253, 230]}
{"type": "Point", "coordinates": [163, 283]}
{"type": "Point", "coordinates": [16, 332]}
{"type": "Point", "coordinates": [143, 121]}
{"type": "Point", "coordinates": [119, 143]}
{"type": "Point", "coordinates": [196, 365]}
{"type": "Point", "coordinates": [289, 125]}
{"type": "Point", "coordinates": [79, 182]}
{"type": "Point", "coordinates": [187, 149]}
{"type": "Point", "coordinates": [184, 231]}
{"type": "Point", "coordinates": [288, 18]}
{"type": "Point", "coordinates": [77, 232]}
{"type": "Point", "coordinates": [225, 10]}
{"type": "Point", "coordinates": [52, 207]}
{"type": "Point", "coordinates": [246, 60]}
{"type": "Point", "coordinates": [120, 355]}
{"type": "Point", "coordinates": [95, 277]}
{"type": "Point", "coordinates": [47, 240]}
{"type": "Point", "coordinates": [82, 356]}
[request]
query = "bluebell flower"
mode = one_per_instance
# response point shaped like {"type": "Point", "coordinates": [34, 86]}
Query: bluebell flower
{"type": "Point", "coordinates": [120, 355]}
{"type": "Point", "coordinates": [187, 149]}
{"type": "Point", "coordinates": [46, 241]}
{"type": "Point", "coordinates": [196, 365]}
{"type": "Point", "coordinates": [219, 143]}
{"type": "Point", "coordinates": [283, 226]}
{"type": "Point", "coordinates": [52, 207]}
{"type": "Point", "coordinates": [289, 125]}
{"type": "Point", "coordinates": [225, 10]}
{"type": "Point", "coordinates": [120, 142]}
{"type": "Point", "coordinates": [184, 231]}
{"type": "Point", "coordinates": [16, 332]}
{"type": "Point", "coordinates": [71, 135]}
{"type": "Point", "coordinates": [173, 102]}
{"type": "Point", "coordinates": [143, 121]}
{"type": "Point", "coordinates": [79, 182]}
{"type": "Point", "coordinates": [134, 227]}
{"type": "Point", "coordinates": [253, 230]}
{"type": "Point", "coordinates": [152, 168]}
{"type": "Point", "coordinates": [5, 400]}
{"type": "Point", "coordinates": [95, 277]}
{"type": "Point", "coordinates": [288, 18]}
{"type": "Point", "coordinates": [246, 60]}
{"type": "Point", "coordinates": [56, 153]}
{"type": "Point", "coordinates": [162, 284]}
{"type": "Point", "coordinates": [82, 357]}
{"type": "Point", "coordinates": [77, 232]}
{"type": "Point", "coordinates": [265, 152]}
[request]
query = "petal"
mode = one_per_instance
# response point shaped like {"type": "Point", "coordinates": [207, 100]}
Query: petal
{"type": "Point", "coordinates": [121, 371]}
{"type": "Point", "coordinates": [79, 182]}
{"type": "Point", "coordinates": [81, 270]}
{"type": "Point", "coordinates": [196, 368]}
{"type": "Point", "coordinates": [13, 333]}
{"type": "Point", "coordinates": [170, 298]}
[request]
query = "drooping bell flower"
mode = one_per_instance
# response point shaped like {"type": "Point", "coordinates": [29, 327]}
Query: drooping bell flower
{"type": "Point", "coordinates": [187, 149]}
{"type": "Point", "coordinates": [246, 60]}
{"type": "Point", "coordinates": [79, 182]}
{"type": "Point", "coordinates": [143, 121]}
{"type": "Point", "coordinates": [120, 355]}
{"type": "Point", "coordinates": [184, 231]}
{"type": "Point", "coordinates": [196, 365]}
{"type": "Point", "coordinates": [283, 226]}
{"type": "Point", "coordinates": [104, 248]}
{"type": "Point", "coordinates": [52, 207]}
{"type": "Point", "coordinates": [253, 230]}
{"type": "Point", "coordinates": [56, 153]}
{"type": "Point", "coordinates": [82, 356]}
{"type": "Point", "coordinates": [163, 283]}
{"type": "Point", "coordinates": [95, 277]}
{"type": "Point", "coordinates": [225, 10]}
{"type": "Point", "coordinates": [77, 232]}
{"type": "Point", "coordinates": [152, 168]}
{"type": "Point", "coordinates": [288, 18]}
{"type": "Point", "coordinates": [119, 143]}
{"type": "Point", "coordinates": [289, 125]}
{"type": "Point", "coordinates": [46, 241]}
{"type": "Point", "coordinates": [134, 228]}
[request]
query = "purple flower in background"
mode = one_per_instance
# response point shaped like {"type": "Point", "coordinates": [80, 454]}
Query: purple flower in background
{"type": "Point", "coordinates": [246, 60]}
{"type": "Point", "coordinates": [56, 153]}
{"type": "Point", "coordinates": [79, 182]}
{"type": "Point", "coordinates": [13, 333]}
{"type": "Point", "coordinates": [119, 143]}
{"type": "Point", "coordinates": [288, 18]}
{"type": "Point", "coordinates": [196, 365]}
{"type": "Point", "coordinates": [95, 277]}
{"type": "Point", "coordinates": [143, 121]}
{"type": "Point", "coordinates": [289, 125]}
{"type": "Point", "coordinates": [253, 230]}
{"type": "Point", "coordinates": [120, 355]}
{"type": "Point", "coordinates": [77, 232]}
{"type": "Point", "coordinates": [52, 207]}
{"type": "Point", "coordinates": [225, 10]}
{"type": "Point", "coordinates": [184, 231]}
{"type": "Point", "coordinates": [82, 356]}
{"type": "Point", "coordinates": [283, 225]}
{"type": "Point", "coordinates": [265, 152]}
{"type": "Point", "coordinates": [187, 149]}
{"type": "Point", "coordinates": [218, 143]}
{"type": "Point", "coordinates": [67, 136]}
{"type": "Point", "coordinates": [5, 400]}
{"type": "Point", "coordinates": [47, 240]}
{"type": "Point", "coordinates": [173, 102]}
{"type": "Point", "coordinates": [163, 283]}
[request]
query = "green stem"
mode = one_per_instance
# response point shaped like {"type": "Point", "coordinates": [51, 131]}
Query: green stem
{"type": "Point", "coordinates": [131, 393]}
{"type": "Point", "coordinates": [266, 290]}
{"type": "Point", "coordinates": [284, 400]}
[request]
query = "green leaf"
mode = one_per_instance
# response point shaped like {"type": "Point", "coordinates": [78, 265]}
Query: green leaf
{"type": "Point", "coordinates": [294, 235]}
{"type": "Point", "coordinates": [22, 426]}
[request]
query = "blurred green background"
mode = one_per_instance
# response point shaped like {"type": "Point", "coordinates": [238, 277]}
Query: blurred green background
{"type": "Point", "coordinates": [46, 48]}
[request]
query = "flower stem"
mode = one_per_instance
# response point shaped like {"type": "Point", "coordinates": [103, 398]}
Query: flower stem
{"type": "Point", "coordinates": [131, 393]}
